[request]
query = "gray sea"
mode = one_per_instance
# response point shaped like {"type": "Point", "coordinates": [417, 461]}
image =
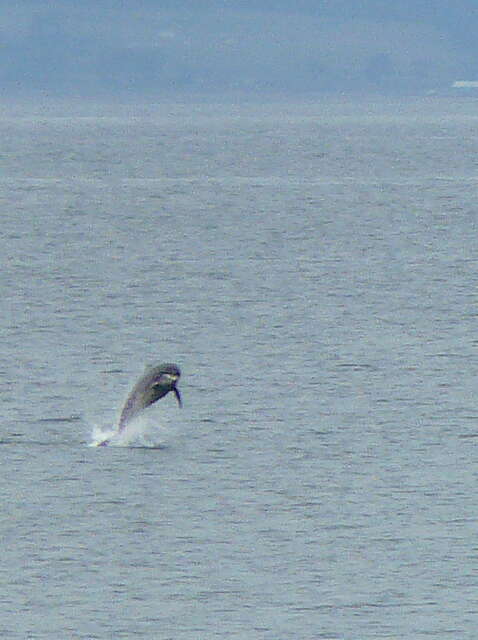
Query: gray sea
{"type": "Point", "coordinates": [312, 268]}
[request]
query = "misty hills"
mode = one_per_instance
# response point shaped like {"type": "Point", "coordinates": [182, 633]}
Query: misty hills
{"type": "Point", "coordinates": [152, 47]}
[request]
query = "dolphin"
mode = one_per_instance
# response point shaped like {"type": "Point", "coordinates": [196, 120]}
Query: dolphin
{"type": "Point", "coordinates": [156, 382]}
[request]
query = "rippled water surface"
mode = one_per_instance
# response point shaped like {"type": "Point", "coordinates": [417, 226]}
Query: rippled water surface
{"type": "Point", "coordinates": [312, 268]}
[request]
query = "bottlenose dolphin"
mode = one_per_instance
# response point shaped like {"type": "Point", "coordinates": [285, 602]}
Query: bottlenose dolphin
{"type": "Point", "coordinates": [157, 381]}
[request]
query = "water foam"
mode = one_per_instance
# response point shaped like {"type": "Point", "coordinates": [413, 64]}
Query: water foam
{"type": "Point", "coordinates": [140, 432]}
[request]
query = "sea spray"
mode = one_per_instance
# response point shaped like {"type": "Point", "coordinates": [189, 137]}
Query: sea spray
{"type": "Point", "coordinates": [141, 432]}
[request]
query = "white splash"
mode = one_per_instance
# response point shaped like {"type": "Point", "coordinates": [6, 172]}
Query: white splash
{"type": "Point", "coordinates": [140, 432]}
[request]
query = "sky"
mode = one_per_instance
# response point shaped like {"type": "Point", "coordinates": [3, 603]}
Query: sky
{"type": "Point", "coordinates": [153, 47]}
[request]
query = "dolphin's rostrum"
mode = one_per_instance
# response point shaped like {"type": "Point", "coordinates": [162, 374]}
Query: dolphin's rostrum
{"type": "Point", "coordinates": [157, 381]}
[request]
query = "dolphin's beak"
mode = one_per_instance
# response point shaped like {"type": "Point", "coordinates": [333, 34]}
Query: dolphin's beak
{"type": "Point", "coordinates": [178, 396]}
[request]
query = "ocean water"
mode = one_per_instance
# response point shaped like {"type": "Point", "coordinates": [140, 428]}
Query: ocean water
{"type": "Point", "coordinates": [312, 268]}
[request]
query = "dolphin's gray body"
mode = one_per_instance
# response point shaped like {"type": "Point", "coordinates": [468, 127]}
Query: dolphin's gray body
{"type": "Point", "coordinates": [156, 382]}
